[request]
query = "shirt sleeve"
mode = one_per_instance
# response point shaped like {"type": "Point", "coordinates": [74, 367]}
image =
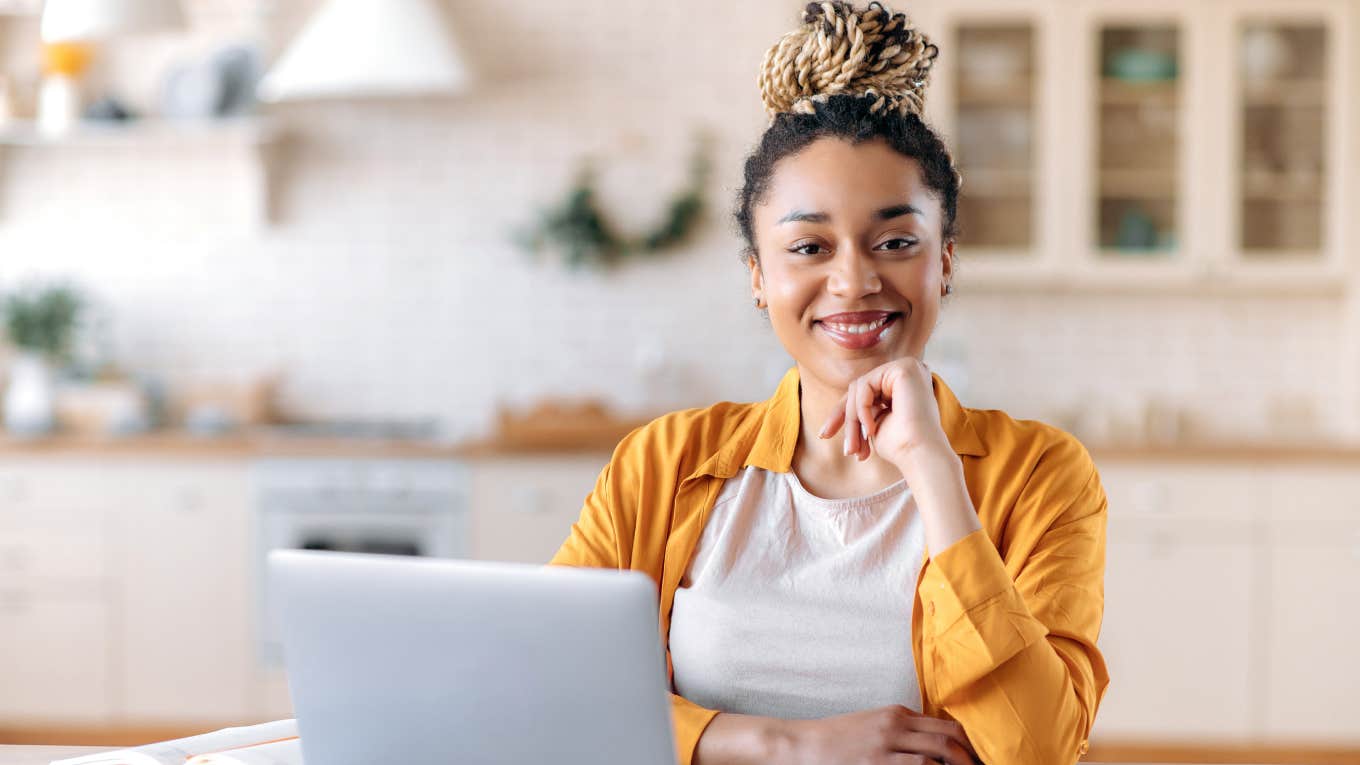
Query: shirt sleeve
{"type": "Point", "coordinates": [595, 542]}
{"type": "Point", "coordinates": [1011, 644]}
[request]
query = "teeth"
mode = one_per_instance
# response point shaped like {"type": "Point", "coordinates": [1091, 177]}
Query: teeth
{"type": "Point", "coordinates": [858, 329]}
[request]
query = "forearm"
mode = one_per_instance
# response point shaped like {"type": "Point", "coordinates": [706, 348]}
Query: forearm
{"type": "Point", "coordinates": [935, 476]}
{"type": "Point", "coordinates": [733, 739]}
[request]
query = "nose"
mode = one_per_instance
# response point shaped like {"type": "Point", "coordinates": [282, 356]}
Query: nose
{"type": "Point", "coordinates": [853, 274]}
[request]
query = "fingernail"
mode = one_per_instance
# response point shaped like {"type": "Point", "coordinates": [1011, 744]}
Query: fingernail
{"type": "Point", "coordinates": [846, 449]}
{"type": "Point", "coordinates": [864, 432]}
{"type": "Point", "coordinates": [822, 433]}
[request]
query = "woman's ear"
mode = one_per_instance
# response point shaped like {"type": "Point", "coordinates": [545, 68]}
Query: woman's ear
{"type": "Point", "coordinates": [947, 262]}
{"type": "Point", "coordinates": [757, 279]}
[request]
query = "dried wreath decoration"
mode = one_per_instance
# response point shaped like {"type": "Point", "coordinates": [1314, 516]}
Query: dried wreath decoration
{"type": "Point", "coordinates": [581, 231]}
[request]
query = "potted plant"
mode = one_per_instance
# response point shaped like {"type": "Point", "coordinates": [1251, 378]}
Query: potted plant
{"type": "Point", "coordinates": [40, 322]}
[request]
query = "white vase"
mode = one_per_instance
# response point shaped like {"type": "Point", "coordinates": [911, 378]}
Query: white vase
{"type": "Point", "coordinates": [30, 397]}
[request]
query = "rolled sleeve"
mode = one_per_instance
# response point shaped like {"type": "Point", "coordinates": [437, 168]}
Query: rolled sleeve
{"type": "Point", "coordinates": [974, 612]}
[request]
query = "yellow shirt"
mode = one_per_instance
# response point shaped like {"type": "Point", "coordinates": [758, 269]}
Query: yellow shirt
{"type": "Point", "coordinates": [1005, 620]}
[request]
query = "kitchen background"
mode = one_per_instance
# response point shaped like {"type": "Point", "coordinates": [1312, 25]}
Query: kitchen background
{"type": "Point", "coordinates": [313, 322]}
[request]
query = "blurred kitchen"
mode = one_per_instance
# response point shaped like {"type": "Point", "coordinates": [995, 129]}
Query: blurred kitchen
{"type": "Point", "coordinates": [396, 275]}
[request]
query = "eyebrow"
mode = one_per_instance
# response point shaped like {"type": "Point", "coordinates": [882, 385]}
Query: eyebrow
{"type": "Point", "coordinates": [887, 213]}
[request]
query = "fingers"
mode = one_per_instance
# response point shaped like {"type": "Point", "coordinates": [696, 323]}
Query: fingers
{"type": "Point", "coordinates": [852, 427]}
{"type": "Point", "coordinates": [948, 728]}
{"type": "Point", "coordinates": [866, 404]}
{"type": "Point", "coordinates": [938, 746]}
{"type": "Point", "coordinates": [834, 424]}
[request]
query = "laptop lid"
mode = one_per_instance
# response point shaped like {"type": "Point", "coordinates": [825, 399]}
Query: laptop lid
{"type": "Point", "coordinates": [400, 659]}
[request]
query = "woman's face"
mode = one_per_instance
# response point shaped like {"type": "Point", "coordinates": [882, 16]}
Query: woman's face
{"type": "Point", "coordinates": [851, 262]}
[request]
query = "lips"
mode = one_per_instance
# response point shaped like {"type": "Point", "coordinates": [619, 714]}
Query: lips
{"type": "Point", "coordinates": [855, 317]}
{"type": "Point", "coordinates": [858, 330]}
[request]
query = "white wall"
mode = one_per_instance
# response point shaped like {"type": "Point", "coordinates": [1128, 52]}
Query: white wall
{"type": "Point", "coordinates": [388, 285]}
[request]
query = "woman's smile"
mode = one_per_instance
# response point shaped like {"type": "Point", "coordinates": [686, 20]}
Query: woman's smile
{"type": "Point", "coordinates": [859, 330]}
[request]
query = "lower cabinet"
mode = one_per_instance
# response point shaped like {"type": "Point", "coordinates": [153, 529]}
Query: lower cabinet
{"type": "Point", "coordinates": [127, 593]}
{"type": "Point", "coordinates": [1230, 604]}
{"type": "Point", "coordinates": [54, 658]}
{"type": "Point", "coordinates": [183, 567]}
{"type": "Point", "coordinates": [1314, 635]}
{"type": "Point", "coordinates": [1177, 630]}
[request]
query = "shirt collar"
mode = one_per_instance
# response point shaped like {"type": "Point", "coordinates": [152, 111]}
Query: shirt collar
{"type": "Point", "coordinates": [768, 441]}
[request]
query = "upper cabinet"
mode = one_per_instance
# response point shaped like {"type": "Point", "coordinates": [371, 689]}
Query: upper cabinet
{"type": "Point", "coordinates": [1121, 144]}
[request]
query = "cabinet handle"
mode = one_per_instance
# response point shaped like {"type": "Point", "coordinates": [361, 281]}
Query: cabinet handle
{"type": "Point", "coordinates": [1162, 544]}
{"type": "Point", "coordinates": [13, 559]}
{"type": "Point", "coordinates": [13, 601]}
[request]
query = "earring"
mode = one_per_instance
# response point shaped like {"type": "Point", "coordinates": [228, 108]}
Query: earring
{"type": "Point", "coordinates": [948, 289]}
{"type": "Point", "coordinates": [757, 301]}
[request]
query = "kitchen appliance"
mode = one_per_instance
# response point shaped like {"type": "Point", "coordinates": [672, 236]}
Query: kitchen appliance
{"type": "Point", "coordinates": [409, 507]}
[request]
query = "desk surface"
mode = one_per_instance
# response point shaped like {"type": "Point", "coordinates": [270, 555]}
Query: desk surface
{"type": "Point", "coordinates": [41, 755]}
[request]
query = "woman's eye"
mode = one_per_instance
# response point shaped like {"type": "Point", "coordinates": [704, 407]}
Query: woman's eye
{"type": "Point", "coordinates": [801, 249]}
{"type": "Point", "coordinates": [900, 244]}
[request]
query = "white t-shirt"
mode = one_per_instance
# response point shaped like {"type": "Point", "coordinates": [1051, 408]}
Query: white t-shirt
{"type": "Point", "coordinates": [796, 606]}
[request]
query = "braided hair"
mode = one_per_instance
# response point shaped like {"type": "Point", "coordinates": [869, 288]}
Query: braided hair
{"type": "Point", "coordinates": [854, 74]}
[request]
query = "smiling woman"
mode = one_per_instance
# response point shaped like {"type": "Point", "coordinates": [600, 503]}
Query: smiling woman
{"type": "Point", "coordinates": [859, 569]}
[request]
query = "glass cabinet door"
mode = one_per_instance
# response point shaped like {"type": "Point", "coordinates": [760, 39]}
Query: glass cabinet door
{"type": "Point", "coordinates": [1282, 80]}
{"type": "Point", "coordinates": [995, 113]}
{"type": "Point", "coordinates": [1138, 141]}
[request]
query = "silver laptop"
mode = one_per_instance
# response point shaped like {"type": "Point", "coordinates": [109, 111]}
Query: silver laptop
{"type": "Point", "coordinates": [394, 659]}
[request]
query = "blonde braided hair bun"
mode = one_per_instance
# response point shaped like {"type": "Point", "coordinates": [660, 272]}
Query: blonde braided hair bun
{"type": "Point", "coordinates": [842, 50]}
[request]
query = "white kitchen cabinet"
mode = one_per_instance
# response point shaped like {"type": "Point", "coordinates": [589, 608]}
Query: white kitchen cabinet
{"type": "Point", "coordinates": [56, 616]}
{"type": "Point", "coordinates": [523, 506]}
{"type": "Point", "coordinates": [184, 576]}
{"type": "Point", "coordinates": [1127, 145]}
{"type": "Point", "coordinates": [1314, 635]}
{"type": "Point", "coordinates": [1177, 633]}
{"type": "Point", "coordinates": [1312, 517]}
{"type": "Point", "coordinates": [54, 657]}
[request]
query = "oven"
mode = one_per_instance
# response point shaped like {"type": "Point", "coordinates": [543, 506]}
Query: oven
{"type": "Point", "coordinates": [414, 507]}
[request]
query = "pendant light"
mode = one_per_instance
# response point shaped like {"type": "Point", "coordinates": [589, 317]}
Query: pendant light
{"type": "Point", "coordinates": [368, 48]}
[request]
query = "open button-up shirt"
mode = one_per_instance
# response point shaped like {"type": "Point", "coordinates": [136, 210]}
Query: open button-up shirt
{"type": "Point", "coordinates": [1005, 620]}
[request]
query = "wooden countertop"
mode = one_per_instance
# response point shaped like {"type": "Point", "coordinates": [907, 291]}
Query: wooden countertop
{"type": "Point", "coordinates": [270, 443]}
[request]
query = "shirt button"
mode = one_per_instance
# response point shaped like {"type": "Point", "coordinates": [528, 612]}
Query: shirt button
{"type": "Point", "coordinates": [1083, 749]}
{"type": "Point", "coordinates": [930, 608]}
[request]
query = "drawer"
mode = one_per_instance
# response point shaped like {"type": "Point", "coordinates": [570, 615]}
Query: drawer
{"type": "Point", "coordinates": [46, 555]}
{"type": "Point", "coordinates": [55, 664]}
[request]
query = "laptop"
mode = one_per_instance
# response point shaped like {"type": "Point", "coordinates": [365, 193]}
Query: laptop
{"type": "Point", "coordinates": [395, 659]}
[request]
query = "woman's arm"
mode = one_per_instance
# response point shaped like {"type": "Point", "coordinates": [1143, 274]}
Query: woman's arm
{"type": "Point", "coordinates": [597, 541]}
{"type": "Point", "coordinates": [1012, 643]}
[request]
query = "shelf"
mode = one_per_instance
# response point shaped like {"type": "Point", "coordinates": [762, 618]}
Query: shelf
{"type": "Point", "coordinates": [1307, 92]}
{"type": "Point", "coordinates": [250, 131]}
{"type": "Point", "coordinates": [256, 133]}
{"type": "Point", "coordinates": [20, 7]}
{"type": "Point", "coordinates": [1016, 93]}
{"type": "Point", "coordinates": [982, 280]}
{"type": "Point", "coordinates": [1137, 184]}
{"type": "Point", "coordinates": [997, 184]}
{"type": "Point", "coordinates": [1116, 92]}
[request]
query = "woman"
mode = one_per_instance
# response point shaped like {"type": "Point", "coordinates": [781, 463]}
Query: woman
{"type": "Point", "coordinates": [810, 548]}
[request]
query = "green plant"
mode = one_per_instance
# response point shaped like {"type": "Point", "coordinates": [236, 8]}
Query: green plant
{"type": "Point", "coordinates": [582, 232]}
{"type": "Point", "coordinates": [43, 319]}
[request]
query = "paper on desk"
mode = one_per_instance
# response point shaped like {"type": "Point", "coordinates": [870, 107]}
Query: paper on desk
{"type": "Point", "coordinates": [287, 752]}
{"type": "Point", "coordinates": [179, 751]}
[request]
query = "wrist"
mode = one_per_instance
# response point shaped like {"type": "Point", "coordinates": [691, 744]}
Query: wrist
{"type": "Point", "coordinates": [927, 460]}
{"type": "Point", "coordinates": [736, 739]}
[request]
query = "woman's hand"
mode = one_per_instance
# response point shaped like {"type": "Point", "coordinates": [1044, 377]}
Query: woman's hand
{"type": "Point", "coordinates": [892, 735]}
{"type": "Point", "coordinates": [893, 407]}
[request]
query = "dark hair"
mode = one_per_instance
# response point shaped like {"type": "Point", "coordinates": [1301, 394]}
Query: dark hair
{"type": "Point", "coordinates": [848, 117]}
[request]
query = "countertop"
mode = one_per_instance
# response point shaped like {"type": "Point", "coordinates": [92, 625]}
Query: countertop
{"type": "Point", "coordinates": [42, 755]}
{"type": "Point", "coordinates": [267, 442]}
